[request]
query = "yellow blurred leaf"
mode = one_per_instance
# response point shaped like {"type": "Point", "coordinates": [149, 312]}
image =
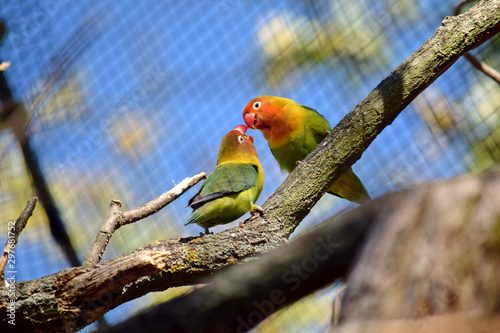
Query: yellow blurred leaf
{"type": "Point", "coordinates": [131, 134]}
{"type": "Point", "coordinates": [53, 102]}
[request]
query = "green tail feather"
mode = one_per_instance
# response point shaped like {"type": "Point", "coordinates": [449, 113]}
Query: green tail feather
{"type": "Point", "coordinates": [192, 218]}
{"type": "Point", "coordinates": [349, 187]}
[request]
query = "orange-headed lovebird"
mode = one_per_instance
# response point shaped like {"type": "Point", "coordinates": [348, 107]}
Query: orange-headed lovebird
{"type": "Point", "coordinates": [233, 187]}
{"type": "Point", "coordinates": [292, 131]}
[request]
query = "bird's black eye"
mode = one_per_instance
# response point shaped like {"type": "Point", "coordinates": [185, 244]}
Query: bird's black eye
{"type": "Point", "coordinates": [256, 105]}
{"type": "Point", "coordinates": [240, 139]}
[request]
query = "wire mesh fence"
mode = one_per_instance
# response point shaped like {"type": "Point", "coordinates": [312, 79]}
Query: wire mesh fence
{"type": "Point", "coordinates": [124, 99]}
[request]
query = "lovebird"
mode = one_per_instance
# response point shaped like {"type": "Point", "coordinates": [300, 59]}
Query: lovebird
{"type": "Point", "coordinates": [233, 187]}
{"type": "Point", "coordinates": [292, 131]}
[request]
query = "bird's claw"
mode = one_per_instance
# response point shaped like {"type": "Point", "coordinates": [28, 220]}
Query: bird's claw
{"type": "Point", "coordinates": [257, 210]}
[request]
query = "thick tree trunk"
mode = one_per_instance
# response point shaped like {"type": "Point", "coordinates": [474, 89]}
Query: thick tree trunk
{"type": "Point", "coordinates": [459, 322]}
{"type": "Point", "coordinates": [438, 253]}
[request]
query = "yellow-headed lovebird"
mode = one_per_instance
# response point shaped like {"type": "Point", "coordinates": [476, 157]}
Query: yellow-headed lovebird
{"type": "Point", "coordinates": [292, 131]}
{"type": "Point", "coordinates": [233, 187]}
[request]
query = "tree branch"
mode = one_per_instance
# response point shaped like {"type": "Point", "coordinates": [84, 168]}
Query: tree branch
{"type": "Point", "coordinates": [159, 203]}
{"type": "Point", "coordinates": [4, 65]}
{"type": "Point", "coordinates": [115, 219]}
{"type": "Point", "coordinates": [73, 298]}
{"type": "Point", "coordinates": [478, 64]}
{"type": "Point", "coordinates": [14, 232]}
{"type": "Point", "coordinates": [353, 134]}
{"type": "Point", "coordinates": [104, 235]}
{"type": "Point", "coordinates": [458, 322]}
{"type": "Point", "coordinates": [237, 299]}
{"type": "Point", "coordinates": [438, 253]}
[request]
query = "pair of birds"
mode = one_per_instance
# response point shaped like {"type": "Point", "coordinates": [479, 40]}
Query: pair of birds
{"type": "Point", "coordinates": [292, 131]}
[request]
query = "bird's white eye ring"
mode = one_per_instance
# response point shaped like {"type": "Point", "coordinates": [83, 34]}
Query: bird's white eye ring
{"type": "Point", "coordinates": [240, 139]}
{"type": "Point", "coordinates": [256, 105]}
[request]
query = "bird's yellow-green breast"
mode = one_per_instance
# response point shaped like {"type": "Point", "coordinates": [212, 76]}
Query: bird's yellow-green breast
{"type": "Point", "coordinates": [233, 187]}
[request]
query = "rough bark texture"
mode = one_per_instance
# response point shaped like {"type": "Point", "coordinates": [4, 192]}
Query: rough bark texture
{"type": "Point", "coordinates": [433, 265]}
{"type": "Point", "coordinates": [439, 252]}
{"type": "Point", "coordinates": [432, 250]}
{"type": "Point", "coordinates": [460, 322]}
{"type": "Point", "coordinates": [104, 235]}
{"type": "Point", "coordinates": [13, 234]}
{"type": "Point", "coordinates": [73, 298]}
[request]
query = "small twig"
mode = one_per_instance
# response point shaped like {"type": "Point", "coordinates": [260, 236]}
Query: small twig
{"type": "Point", "coordinates": [478, 64]}
{"type": "Point", "coordinates": [104, 235]}
{"type": "Point", "coordinates": [491, 72]}
{"type": "Point", "coordinates": [115, 219]}
{"type": "Point", "coordinates": [14, 232]}
{"type": "Point", "coordinates": [4, 65]}
{"type": "Point", "coordinates": [337, 303]}
{"type": "Point", "coordinates": [155, 205]}
{"type": "Point", "coordinates": [461, 4]}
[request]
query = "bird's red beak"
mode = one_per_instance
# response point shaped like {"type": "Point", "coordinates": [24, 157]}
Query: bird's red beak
{"type": "Point", "coordinates": [253, 121]}
{"type": "Point", "coordinates": [250, 119]}
{"type": "Point", "coordinates": [241, 128]}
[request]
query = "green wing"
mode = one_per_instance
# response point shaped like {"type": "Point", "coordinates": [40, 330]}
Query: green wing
{"type": "Point", "coordinates": [316, 124]}
{"type": "Point", "coordinates": [226, 178]}
{"type": "Point", "coordinates": [315, 112]}
{"type": "Point", "coordinates": [348, 185]}
{"type": "Point", "coordinates": [303, 141]}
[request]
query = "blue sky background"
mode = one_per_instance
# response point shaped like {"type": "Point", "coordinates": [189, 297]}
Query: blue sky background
{"type": "Point", "coordinates": [161, 82]}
